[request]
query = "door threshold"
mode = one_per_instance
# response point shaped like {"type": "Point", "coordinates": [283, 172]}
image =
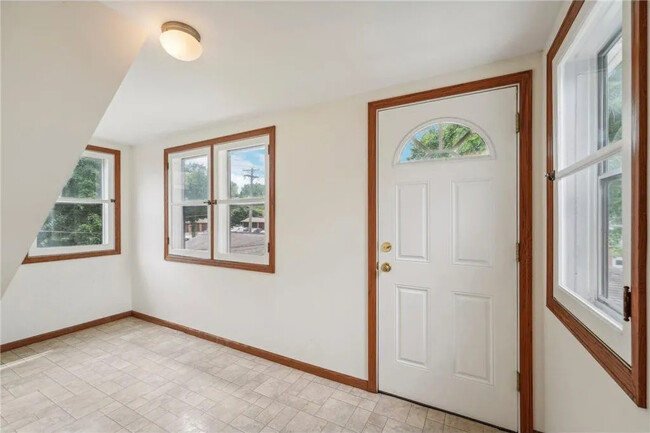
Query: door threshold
{"type": "Point", "coordinates": [446, 411]}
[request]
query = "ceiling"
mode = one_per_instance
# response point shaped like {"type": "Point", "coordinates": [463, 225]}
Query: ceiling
{"type": "Point", "coordinates": [266, 56]}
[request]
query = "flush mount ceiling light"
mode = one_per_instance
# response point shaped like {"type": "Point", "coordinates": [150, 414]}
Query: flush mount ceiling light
{"type": "Point", "coordinates": [181, 41]}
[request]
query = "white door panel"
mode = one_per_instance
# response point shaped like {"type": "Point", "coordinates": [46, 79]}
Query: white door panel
{"type": "Point", "coordinates": [447, 327]}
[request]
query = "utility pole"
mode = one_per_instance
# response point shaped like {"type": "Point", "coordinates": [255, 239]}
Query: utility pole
{"type": "Point", "coordinates": [252, 176]}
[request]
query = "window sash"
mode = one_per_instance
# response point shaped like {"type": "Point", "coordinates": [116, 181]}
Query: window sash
{"type": "Point", "coordinates": [188, 252]}
{"type": "Point", "coordinates": [108, 212]}
{"type": "Point", "coordinates": [178, 157]}
{"type": "Point", "coordinates": [222, 179]}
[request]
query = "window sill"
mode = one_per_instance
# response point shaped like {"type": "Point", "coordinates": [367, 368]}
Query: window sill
{"type": "Point", "coordinates": [71, 256]}
{"type": "Point", "coordinates": [269, 269]}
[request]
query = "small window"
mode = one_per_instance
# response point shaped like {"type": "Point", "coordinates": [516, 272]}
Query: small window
{"type": "Point", "coordinates": [84, 221]}
{"type": "Point", "coordinates": [220, 201]}
{"type": "Point", "coordinates": [443, 140]}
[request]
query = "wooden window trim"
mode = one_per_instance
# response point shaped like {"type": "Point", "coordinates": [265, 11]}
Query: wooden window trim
{"type": "Point", "coordinates": [524, 82]}
{"type": "Point", "coordinates": [632, 379]}
{"type": "Point", "coordinates": [118, 212]}
{"type": "Point", "coordinates": [268, 268]}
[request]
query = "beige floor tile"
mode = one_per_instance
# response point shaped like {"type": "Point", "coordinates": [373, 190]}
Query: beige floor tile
{"type": "Point", "coordinates": [358, 420]}
{"type": "Point", "coordinates": [394, 426]}
{"type": "Point", "coordinates": [450, 429]}
{"type": "Point", "coordinates": [463, 424]}
{"type": "Point", "coordinates": [247, 425]}
{"type": "Point", "coordinates": [316, 392]}
{"type": "Point", "coordinates": [305, 423]}
{"type": "Point", "coordinates": [392, 407]}
{"type": "Point", "coordinates": [92, 423]}
{"type": "Point", "coordinates": [281, 420]}
{"type": "Point", "coordinates": [417, 415]}
{"type": "Point", "coordinates": [336, 411]}
{"type": "Point", "coordinates": [332, 428]}
{"type": "Point", "coordinates": [376, 419]}
{"type": "Point", "coordinates": [124, 416]}
{"type": "Point", "coordinates": [272, 388]}
{"type": "Point", "coordinates": [347, 397]}
{"type": "Point", "coordinates": [228, 409]}
{"type": "Point", "coordinates": [431, 426]}
{"type": "Point", "coordinates": [372, 428]}
{"type": "Point", "coordinates": [367, 404]}
{"type": "Point", "coordinates": [297, 403]}
{"type": "Point", "coordinates": [436, 415]}
{"type": "Point", "coordinates": [49, 421]}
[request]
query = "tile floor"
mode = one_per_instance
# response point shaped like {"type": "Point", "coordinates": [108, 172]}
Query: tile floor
{"type": "Point", "coordinates": [133, 376]}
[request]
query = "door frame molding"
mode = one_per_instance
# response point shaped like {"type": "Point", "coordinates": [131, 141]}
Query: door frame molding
{"type": "Point", "coordinates": [523, 80]}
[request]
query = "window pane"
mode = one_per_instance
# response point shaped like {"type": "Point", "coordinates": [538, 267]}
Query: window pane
{"type": "Point", "coordinates": [71, 225]}
{"type": "Point", "coordinates": [590, 237]}
{"type": "Point", "coordinates": [443, 141]}
{"type": "Point", "coordinates": [248, 229]}
{"type": "Point", "coordinates": [86, 180]}
{"type": "Point", "coordinates": [613, 65]}
{"type": "Point", "coordinates": [247, 172]}
{"type": "Point", "coordinates": [612, 250]}
{"type": "Point", "coordinates": [190, 178]}
{"type": "Point", "coordinates": [589, 87]}
{"type": "Point", "coordinates": [190, 230]}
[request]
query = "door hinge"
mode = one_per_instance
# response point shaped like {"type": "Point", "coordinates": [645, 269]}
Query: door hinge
{"type": "Point", "coordinates": [167, 240]}
{"type": "Point", "coordinates": [517, 122]}
{"type": "Point", "coordinates": [518, 251]}
{"type": "Point", "coordinates": [268, 247]}
{"type": "Point", "coordinates": [518, 382]}
{"type": "Point", "coordinates": [167, 165]}
{"type": "Point", "coordinates": [627, 303]}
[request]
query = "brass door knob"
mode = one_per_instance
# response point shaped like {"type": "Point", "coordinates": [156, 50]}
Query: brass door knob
{"type": "Point", "coordinates": [385, 267]}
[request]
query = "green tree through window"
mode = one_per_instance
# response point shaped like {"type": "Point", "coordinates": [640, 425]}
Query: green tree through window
{"type": "Point", "coordinates": [443, 141]}
{"type": "Point", "coordinates": [70, 224]}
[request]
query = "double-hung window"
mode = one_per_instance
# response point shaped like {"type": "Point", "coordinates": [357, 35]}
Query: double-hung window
{"type": "Point", "coordinates": [596, 170]}
{"type": "Point", "coordinates": [85, 220]}
{"type": "Point", "coordinates": [220, 201]}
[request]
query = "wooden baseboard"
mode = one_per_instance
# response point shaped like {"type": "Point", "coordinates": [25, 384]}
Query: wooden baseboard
{"type": "Point", "coordinates": [59, 332]}
{"type": "Point", "coordinates": [274, 357]}
{"type": "Point", "coordinates": [289, 362]}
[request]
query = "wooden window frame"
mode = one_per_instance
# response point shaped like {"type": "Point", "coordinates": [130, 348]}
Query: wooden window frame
{"type": "Point", "coordinates": [211, 143]}
{"type": "Point", "coordinates": [118, 211]}
{"type": "Point", "coordinates": [632, 379]}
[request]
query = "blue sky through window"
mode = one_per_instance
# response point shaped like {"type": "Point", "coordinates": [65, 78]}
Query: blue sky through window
{"type": "Point", "coordinates": [242, 160]}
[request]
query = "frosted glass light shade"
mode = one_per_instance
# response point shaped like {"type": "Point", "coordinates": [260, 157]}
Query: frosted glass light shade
{"type": "Point", "coordinates": [181, 41]}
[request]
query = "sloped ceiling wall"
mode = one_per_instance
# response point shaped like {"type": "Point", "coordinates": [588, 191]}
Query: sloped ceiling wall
{"type": "Point", "coordinates": [62, 62]}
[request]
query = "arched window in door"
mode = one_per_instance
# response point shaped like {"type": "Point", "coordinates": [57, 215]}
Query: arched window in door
{"type": "Point", "coordinates": [443, 140]}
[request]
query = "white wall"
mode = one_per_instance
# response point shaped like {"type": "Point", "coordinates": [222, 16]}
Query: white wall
{"type": "Point", "coordinates": [314, 307]}
{"type": "Point", "coordinates": [48, 296]}
{"type": "Point", "coordinates": [62, 62]}
{"type": "Point", "coordinates": [579, 395]}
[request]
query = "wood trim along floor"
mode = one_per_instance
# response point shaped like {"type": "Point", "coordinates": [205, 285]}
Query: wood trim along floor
{"type": "Point", "coordinates": [59, 332]}
{"type": "Point", "coordinates": [274, 357]}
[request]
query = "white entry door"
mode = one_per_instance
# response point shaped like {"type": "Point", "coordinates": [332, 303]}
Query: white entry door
{"type": "Point", "coordinates": [447, 205]}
